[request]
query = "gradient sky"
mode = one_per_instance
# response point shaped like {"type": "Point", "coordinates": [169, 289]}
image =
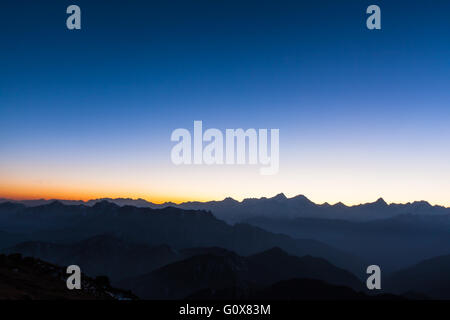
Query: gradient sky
{"type": "Point", "coordinates": [362, 114]}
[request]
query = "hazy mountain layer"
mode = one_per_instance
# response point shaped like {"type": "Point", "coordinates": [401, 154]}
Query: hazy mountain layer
{"type": "Point", "coordinates": [177, 228]}
{"type": "Point", "coordinates": [431, 277]}
{"type": "Point", "coordinates": [219, 269]}
{"type": "Point", "coordinates": [101, 256]}
{"type": "Point", "coordinates": [391, 243]}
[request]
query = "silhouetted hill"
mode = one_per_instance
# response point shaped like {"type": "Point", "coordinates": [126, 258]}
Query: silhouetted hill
{"type": "Point", "coordinates": [102, 255]}
{"type": "Point", "coordinates": [274, 265]}
{"type": "Point", "coordinates": [178, 280]}
{"type": "Point", "coordinates": [430, 277]}
{"type": "Point", "coordinates": [16, 217]}
{"type": "Point", "coordinates": [391, 243]}
{"type": "Point", "coordinates": [220, 269]}
{"type": "Point", "coordinates": [289, 290]}
{"type": "Point", "coordinates": [177, 228]}
{"type": "Point", "coordinates": [311, 289]}
{"type": "Point", "coordinates": [29, 278]}
{"type": "Point", "coordinates": [9, 239]}
{"type": "Point", "coordinates": [190, 252]}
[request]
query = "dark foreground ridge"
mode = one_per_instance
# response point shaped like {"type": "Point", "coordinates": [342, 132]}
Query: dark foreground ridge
{"type": "Point", "coordinates": [33, 279]}
{"type": "Point", "coordinates": [291, 290]}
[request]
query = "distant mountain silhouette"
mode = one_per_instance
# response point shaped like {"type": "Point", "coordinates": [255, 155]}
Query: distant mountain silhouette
{"type": "Point", "coordinates": [177, 228]}
{"type": "Point", "coordinates": [219, 269]}
{"type": "Point", "coordinates": [178, 280]}
{"type": "Point", "coordinates": [430, 277]}
{"type": "Point", "coordinates": [392, 243]}
{"type": "Point", "coordinates": [29, 279]}
{"type": "Point", "coordinates": [281, 207]}
{"type": "Point", "coordinates": [102, 255]}
{"type": "Point", "coordinates": [274, 265]}
{"type": "Point", "coordinates": [278, 206]}
{"type": "Point", "coordinates": [118, 201]}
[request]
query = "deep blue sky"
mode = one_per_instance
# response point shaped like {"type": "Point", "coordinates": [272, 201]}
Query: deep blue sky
{"type": "Point", "coordinates": [365, 112]}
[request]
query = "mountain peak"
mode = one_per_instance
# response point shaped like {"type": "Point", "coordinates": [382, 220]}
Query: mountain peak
{"type": "Point", "coordinates": [340, 205]}
{"type": "Point", "coordinates": [55, 203]}
{"type": "Point", "coordinates": [279, 197]}
{"type": "Point", "coordinates": [301, 199]}
{"type": "Point", "coordinates": [229, 200]}
{"type": "Point", "coordinates": [381, 201]}
{"type": "Point", "coordinates": [421, 204]}
{"type": "Point", "coordinates": [300, 196]}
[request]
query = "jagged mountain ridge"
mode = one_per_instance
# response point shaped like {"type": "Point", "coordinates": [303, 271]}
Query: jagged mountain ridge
{"type": "Point", "coordinates": [278, 206]}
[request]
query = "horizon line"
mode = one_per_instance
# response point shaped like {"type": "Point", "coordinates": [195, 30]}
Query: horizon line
{"type": "Point", "coordinates": [214, 200]}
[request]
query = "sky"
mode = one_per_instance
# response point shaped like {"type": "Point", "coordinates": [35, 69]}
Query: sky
{"type": "Point", "coordinates": [88, 113]}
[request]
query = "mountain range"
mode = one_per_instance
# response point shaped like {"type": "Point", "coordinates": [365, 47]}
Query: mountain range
{"type": "Point", "coordinates": [392, 243]}
{"type": "Point", "coordinates": [218, 269]}
{"type": "Point", "coordinates": [177, 228]}
{"type": "Point", "coordinates": [277, 207]}
{"type": "Point", "coordinates": [171, 253]}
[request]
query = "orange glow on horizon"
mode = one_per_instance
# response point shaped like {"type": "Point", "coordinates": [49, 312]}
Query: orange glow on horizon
{"type": "Point", "coordinates": [35, 195]}
{"type": "Point", "coordinates": [351, 186]}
